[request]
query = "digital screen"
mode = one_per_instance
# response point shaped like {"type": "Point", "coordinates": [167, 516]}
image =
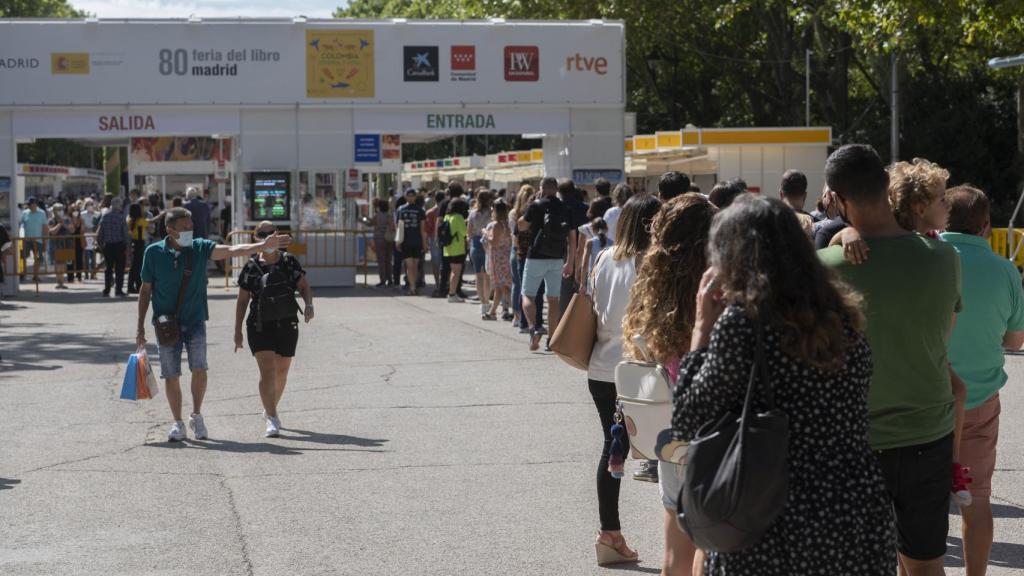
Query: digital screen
{"type": "Point", "coordinates": [270, 196]}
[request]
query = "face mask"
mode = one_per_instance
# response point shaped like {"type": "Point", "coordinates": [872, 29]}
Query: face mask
{"type": "Point", "coordinates": [185, 238]}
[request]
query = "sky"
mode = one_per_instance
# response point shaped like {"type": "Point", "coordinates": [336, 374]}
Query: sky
{"type": "Point", "coordinates": [208, 8]}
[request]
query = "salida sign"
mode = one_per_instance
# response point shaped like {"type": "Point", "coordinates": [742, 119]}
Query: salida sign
{"type": "Point", "coordinates": [127, 123]}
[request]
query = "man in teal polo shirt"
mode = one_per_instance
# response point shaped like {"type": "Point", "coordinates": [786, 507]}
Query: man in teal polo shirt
{"type": "Point", "coordinates": [163, 270]}
{"type": "Point", "coordinates": [992, 320]}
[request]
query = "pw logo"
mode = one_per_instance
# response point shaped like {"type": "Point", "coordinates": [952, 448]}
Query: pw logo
{"type": "Point", "coordinates": [522, 64]}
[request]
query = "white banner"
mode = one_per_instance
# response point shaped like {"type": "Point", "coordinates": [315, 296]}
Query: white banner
{"type": "Point", "coordinates": [463, 121]}
{"type": "Point", "coordinates": [337, 62]}
{"type": "Point", "coordinates": [115, 123]}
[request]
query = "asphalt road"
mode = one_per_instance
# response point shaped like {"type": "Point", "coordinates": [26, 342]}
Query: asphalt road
{"type": "Point", "coordinates": [418, 440]}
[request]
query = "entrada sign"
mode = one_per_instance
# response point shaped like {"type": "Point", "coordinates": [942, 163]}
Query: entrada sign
{"type": "Point", "coordinates": [460, 121]}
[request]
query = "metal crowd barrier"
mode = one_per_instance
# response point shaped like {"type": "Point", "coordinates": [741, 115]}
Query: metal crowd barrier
{"type": "Point", "coordinates": [1000, 243]}
{"type": "Point", "coordinates": [51, 250]}
{"type": "Point", "coordinates": [342, 248]}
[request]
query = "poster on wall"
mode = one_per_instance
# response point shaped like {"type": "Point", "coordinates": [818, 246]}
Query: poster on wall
{"type": "Point", "coordinates": [5, 202]}
{"type": "Point", "coordinates": [180, 149]}
{"type": "Point", "coordinates": [339, 64]}
{"type": "Point", "coordinates": [391, 152]}
{"type": "Point", "coordinates": [353, 183]}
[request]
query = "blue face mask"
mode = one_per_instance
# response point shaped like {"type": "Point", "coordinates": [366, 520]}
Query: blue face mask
{"type": "Point", "coordinates": [185, 238]}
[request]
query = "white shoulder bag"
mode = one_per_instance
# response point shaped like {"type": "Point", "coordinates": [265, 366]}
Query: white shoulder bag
{"type": "Point", "coordinates": [645, 398]}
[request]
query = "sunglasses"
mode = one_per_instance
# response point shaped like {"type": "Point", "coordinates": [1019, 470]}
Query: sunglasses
{"type": "Point", "coordinates": [262, 234]}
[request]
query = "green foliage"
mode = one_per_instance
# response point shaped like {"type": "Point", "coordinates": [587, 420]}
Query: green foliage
{"type": "Point", "coordinates": [38, 9]}
{"type": "Point", "coordinates": [742, 62]}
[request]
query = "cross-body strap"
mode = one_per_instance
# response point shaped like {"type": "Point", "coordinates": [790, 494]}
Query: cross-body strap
{"type": "Point", "coordinates": [184, 281]}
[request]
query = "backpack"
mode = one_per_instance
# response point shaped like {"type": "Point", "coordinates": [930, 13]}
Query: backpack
{"type": "Point", "coordinates": [552, 239]}
{"type": "Point", "coordinates": [444, 233]}
{"type": "Point", "coordinates": [276, 299]}
{"type": "Point", "coordinates": [645, 399]}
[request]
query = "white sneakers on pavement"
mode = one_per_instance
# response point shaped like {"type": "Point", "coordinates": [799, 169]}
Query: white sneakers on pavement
{"type": "Point", "coordinates": [195, 422]}
{"type": "Point", "coordinates": [177, 432]}
{"type": "Point", "coordinates": [273, 427]}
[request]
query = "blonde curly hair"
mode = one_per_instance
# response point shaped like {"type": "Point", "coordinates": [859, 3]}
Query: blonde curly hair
{"type": "Point", "coordinates": [662, 301]}
{"type": "Point", "coordinates": [913, 186]}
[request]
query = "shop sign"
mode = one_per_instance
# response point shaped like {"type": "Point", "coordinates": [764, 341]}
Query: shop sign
{"type": "Point", "coordinates": [72, 123]}
{"type": "Point", "coordinates": [463, 64]}
{"type": "Point", "coordinates": [367, 148]}
{"type": "Point", "coordinates": [588, 176]}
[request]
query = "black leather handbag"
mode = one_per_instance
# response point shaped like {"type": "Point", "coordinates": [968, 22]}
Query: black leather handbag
{"type": "Point", "coordinates": [737, 477]}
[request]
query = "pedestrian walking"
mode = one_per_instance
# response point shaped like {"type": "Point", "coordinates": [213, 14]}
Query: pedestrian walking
{"type": "Point", "coordinates": [549, 222]}
{"type": "Point", "coordinates": [112, 238]}
{"type": "Point", "coordinates": [412, 218]}
{"type": "Point", "coordinates": [452, 234]}
{"type": "Point", "coordinates": [266, 288]}
{"type": "Point", "coordinates": [174, 281]}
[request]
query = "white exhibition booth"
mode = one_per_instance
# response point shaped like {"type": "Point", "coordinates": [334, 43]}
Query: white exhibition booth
{"type": "Point", "coordinates": [311, 102]}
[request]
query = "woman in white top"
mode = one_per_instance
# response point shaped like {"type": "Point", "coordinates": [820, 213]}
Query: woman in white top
{"type": "Point", "coordinates": [610, 284]}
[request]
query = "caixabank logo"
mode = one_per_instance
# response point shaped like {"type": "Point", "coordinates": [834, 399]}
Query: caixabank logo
{"type": "Point", "coordinates": [522, 63]}
{"type": "Point", "coordinates": [421, 64]}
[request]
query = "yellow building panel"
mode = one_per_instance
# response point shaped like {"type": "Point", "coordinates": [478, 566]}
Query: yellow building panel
{"type": "Point", "coordinates": [713, 137]}
{"type": "Point", "coordinates": [669, 140]}
{"type": "Point", "coordinates": [629, 145]}
{"type": "Point", "coordinates": [537, 155]}
{"type": "Point", "coordinates": [645, 143]}
{"type": "Point", "coordinates": [691, 138]}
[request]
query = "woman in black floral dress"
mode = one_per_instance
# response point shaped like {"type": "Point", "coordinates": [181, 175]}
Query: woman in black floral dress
{"type": "Point", "coordinates": [837, 519]}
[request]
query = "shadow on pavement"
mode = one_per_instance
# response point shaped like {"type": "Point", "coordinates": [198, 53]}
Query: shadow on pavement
{"type": "Point", "coordinates": [1004, 554]}
{"type": "Point", "coordinates": [635, 568]}
{"type": "Point", "coordinates": [1006, 511]}
{"type": "Point", "coordinates": [8, 483]}
{"type": "Point", "coordinates": [46, 347]}
{"type": "Point", "coordinates": [233, 447]}
{"type": "Point", "coordinates": [332, 439]}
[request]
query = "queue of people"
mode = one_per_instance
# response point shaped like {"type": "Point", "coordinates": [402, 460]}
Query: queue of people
{"type": "Point", "coordinates": [111, 234]}
{"type": "Point", "coordinates": [884, 352]}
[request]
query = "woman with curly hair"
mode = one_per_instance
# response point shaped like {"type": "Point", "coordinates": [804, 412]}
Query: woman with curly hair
{"type": "Point", "coordinates": [661, 311]}
{"type": "Point", "coordinates": [766, 288]}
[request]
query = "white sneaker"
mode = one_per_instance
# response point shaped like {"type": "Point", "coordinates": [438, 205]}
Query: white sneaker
{"type": "Point", "coordinates": [455, 299]}
{"type": "Point", "coordinates": [195, 422]}
{"type": "Point", "coordinates": [273, 427]}
{"type": "Point", "coordinates": [177, 433]}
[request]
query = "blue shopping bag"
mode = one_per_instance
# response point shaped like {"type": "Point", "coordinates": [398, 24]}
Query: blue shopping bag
{"type": "Point", "coordinates": [131, 378]}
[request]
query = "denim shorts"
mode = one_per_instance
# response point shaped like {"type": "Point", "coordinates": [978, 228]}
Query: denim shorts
{"type": "Point", "coordinates": [477, 255]}
{"type": "Point", "coordinates": [539, 270]}
{"type": "Point", "coordinates": [193, 338]}
{"type": "Point", "coordinates": [670, 483]}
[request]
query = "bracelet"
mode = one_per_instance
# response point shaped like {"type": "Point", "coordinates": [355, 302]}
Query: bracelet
{"type": "Point", "coordinates": [309, 306]}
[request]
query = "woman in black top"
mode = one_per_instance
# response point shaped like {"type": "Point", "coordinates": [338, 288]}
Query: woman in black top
{"type": "Point", "coordinates": [273, 329]}
{"type": "Point", "coordinates": [765, 277]}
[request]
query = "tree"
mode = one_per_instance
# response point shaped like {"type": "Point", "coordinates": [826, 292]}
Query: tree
{"type": "Point", "coordinates": [38, 9]}
{"type": "Point", "coordinates": [742, 63]}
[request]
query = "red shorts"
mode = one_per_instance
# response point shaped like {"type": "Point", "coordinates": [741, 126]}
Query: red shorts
{"type": "Point", "coordinates": [978, 445]}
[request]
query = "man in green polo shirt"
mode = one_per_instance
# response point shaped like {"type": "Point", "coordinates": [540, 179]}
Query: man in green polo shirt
{"type": "Point", "coordinates": [163, 271]}
{"type": "Point", "coordinates": [992, 320]}
{"type": "Point", "coordinates": [911, 288]}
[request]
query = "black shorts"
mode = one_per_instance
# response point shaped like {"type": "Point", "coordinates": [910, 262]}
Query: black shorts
{"type": "Point", "coordinates": [414, 252]}
{"type": "Point", "coordinates": [918, 480]}
{"type": "Point", "coordinates": [279, 337]}
{"type": "Point", "coordinates": [450, 260]}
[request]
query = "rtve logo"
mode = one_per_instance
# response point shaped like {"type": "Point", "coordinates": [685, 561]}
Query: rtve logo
{"type": "Point", "coordinates": [522, 63]}
{"type": "Point", "coordinates": [580, 63]}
